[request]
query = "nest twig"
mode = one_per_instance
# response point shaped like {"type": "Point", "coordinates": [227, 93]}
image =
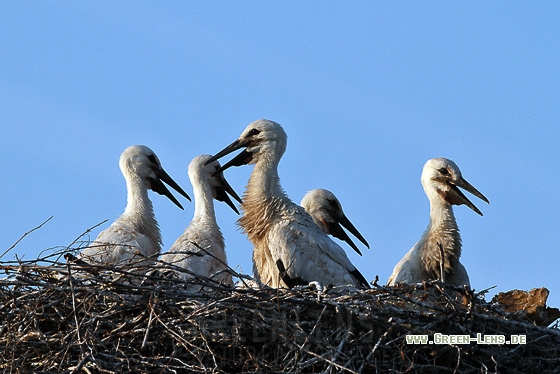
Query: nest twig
{"type": "Point", "coordinates": [56, 317]}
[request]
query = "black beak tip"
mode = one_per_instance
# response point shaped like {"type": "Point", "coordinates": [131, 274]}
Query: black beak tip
{"type": "Point", "coordinates": [357, 250]}
{"type": "Point", "coordinates": [178, 204]}
{"type": "Point", "coordinates": [229, 203]}
{"type": "Point", "coordinates": [178, 188]}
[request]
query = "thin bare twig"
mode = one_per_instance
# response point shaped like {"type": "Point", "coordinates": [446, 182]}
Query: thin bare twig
{"type": "Point", "coordinates": [24, 235]}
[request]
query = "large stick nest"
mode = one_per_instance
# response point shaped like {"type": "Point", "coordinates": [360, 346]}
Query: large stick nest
{"type": "Point", "coordinates": [60, 318]}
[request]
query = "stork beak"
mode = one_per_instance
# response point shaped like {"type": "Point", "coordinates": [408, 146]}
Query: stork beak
{"type": "Point", "coordinates": [221, 191]}
{"type": "Point", "coordinates": [337, 231]}
{"type": "Point", "coordinates": [242, 158]}
{"type": "Point", "coordinates": [345, 222]}
{"type": "Point", "coordinates": [456, 197]}
{"type": "Point", "coordinates": [160, 188]}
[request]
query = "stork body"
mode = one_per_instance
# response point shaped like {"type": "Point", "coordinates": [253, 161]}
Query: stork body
{"type": "Point", "coordinates": [134, 238]}
{"type": "Point", "coordinates": [325, 209]}
{"type": "Point", "coordinates": [289, 248]}
{"type": "Point", "coordinates": [200, 250]}
{"type": "Point", "coordinates": [436, 255]}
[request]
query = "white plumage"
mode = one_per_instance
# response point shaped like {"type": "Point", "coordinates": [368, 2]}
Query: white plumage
{"type": "Point", "coordinates": [436, 254]}
{"type": "Point", "coordinates": [289, 248]}
{"type": "Point", "coordinates": [326, 211]}
{"type": "Point", "coordinates": [201, 249]}
{"type": "Point", "coordinates": [134, 238]}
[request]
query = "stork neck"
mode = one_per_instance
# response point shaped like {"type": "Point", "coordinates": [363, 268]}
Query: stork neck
{"type": "Point", "coordinates": [442, 217]}
{"type": "Point", "coordinates": [138, 203]}
{"type": "Point", "coordinates": [264, 180]}
{"type": "Point", "coordinates": [263, 201]}
{"type": "Point", "coordinates": [203, 201]}
{"type": "Point", "coordinates": [139, 209]}
{"type": "Point", "coordinates": [441, 238]}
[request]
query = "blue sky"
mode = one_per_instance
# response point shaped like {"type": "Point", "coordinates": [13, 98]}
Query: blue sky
{"type": "Point", "coordinates": [367, 92]}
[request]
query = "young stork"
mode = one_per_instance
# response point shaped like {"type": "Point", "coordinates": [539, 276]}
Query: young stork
{"type": "Point", "coordinates": [200, 250]}
{"type": "Point", "coordinates": [439, 248]}
{"type": "Point", "coordinates": [134, 237]}
{"type": "Point", "coordinates": [289, 248]}
{"type": "Point", "coordinates": [326, 211]}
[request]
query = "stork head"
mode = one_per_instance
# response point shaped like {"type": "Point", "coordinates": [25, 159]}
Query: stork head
{"type": "Point", "coordinates": [326, 211]}
{"type": "Point", "coordinates": [441, 178]}
{"type": "Point", "coordinates": [219, 185]}
{"type": "Point", "coordinates": [262, 139]}
{"type": "Point", "coordinates": [142, 162]}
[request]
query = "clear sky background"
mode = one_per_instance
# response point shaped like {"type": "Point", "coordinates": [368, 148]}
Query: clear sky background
{"type": "Point", "coordinates": [367, 92]}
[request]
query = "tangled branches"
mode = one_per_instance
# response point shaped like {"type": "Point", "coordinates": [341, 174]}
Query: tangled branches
{"type": "Point", "coordinates": [59, 318]}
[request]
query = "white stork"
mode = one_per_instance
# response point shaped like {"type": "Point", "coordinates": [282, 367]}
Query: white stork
{"type": "Point", "coordinates": [326, 211]}
{"type": "Point", "coordinates": [201, 249]}
{"type": "Point", "coordinates": [289, 248]}
{"type": "Point", "coordinates": [436, 255]}
{"type": "Point", "coordinates": [134, 238]}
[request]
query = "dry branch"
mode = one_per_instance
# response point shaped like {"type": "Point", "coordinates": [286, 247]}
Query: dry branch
{"type": "Point", "coordinates": [56, 317]}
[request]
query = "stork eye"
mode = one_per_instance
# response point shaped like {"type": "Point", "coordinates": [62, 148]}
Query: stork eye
{"type": "Point", "coordinates": [254, 132]}
{"type": "Point", "coordinates": [444, 171]}
{"type": "Point", "coordinates": [334, 204]}
{"type": "Point", "coordinates": [153, 159]}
